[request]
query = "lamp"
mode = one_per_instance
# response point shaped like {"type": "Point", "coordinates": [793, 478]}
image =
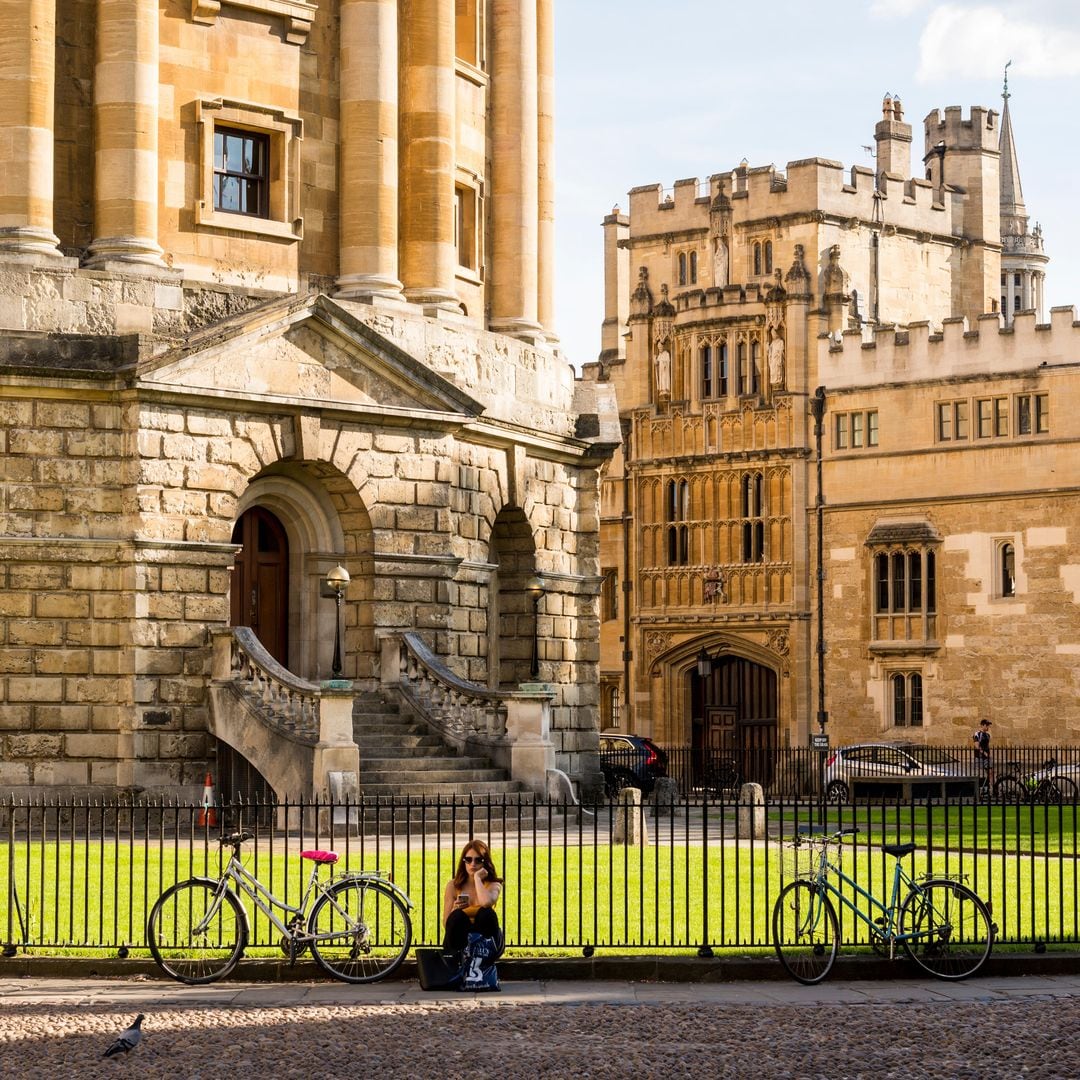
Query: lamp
{"type": "Point", "coordinates": [704, 663]}
{"type": "Point", "coordinates": [535, 588]}
{"type": "Point", "coordinates": [337, 579]}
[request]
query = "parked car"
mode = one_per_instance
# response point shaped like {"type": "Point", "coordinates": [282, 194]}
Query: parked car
{"type": "Point", "coordinates": [630, 761]}
{"type": "Point", "coordinates": [891, 764]}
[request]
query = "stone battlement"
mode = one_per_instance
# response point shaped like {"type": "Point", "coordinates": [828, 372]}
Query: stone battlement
{"type": "Point", "coordinates": [978, 132]}
{"type": "Point", "coordinates": [809, 186]}
{"type": "Point", "coordinates": [897, 354]}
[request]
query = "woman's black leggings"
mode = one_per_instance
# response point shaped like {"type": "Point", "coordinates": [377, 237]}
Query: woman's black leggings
{"type": "Point", "coordinates": [459, 926]}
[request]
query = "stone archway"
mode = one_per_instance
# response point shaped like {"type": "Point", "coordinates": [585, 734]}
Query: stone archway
{"type": "Point", "coordinates": [326, 523]}
{"type": "Point", "coordinates": [512, 623]}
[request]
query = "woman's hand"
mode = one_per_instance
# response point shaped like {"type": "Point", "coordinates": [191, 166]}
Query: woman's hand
{"type": "Point", "coordinates": [480, 874]}
{"type": "Point", "coordinates": [461, 901]}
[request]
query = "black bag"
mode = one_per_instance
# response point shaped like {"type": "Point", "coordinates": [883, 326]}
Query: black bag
{"type": "Point", "coordinates": [478, 964]}
{"type": "Point", "coordinates": [438, 970]}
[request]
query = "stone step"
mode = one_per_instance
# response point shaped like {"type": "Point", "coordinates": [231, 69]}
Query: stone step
{"type": "Point", "coordinates": [444, 790]}
{"type": "Point", "coordinates": [402, 778]}
{"type": "Point", "coordinates": [403, 762]}
{"type": "Point", "coordinates": [407, 746]}
{"type": "Point", "coordinates": [376, 708]}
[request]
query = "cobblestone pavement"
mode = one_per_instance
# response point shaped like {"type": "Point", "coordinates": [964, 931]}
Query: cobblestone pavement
{"type": "Point", "coordinates": [994, 1027]}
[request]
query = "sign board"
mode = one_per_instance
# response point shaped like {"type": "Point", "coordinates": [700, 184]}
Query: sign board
{"type": "Point", "coordinates": [819, 742]}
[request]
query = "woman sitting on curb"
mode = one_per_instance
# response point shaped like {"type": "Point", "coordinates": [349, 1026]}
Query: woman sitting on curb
{"type": "Point", "coordinates": [470, 897]}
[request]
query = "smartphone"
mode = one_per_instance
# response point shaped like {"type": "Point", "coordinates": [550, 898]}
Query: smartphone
{"type": "Point", "coordinates": [462, 896]}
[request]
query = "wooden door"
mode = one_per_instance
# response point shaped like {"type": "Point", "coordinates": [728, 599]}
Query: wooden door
{"type": "Point", "coordinates": [260, 584]}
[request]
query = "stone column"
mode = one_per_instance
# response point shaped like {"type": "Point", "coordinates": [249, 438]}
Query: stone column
{"type": "Point", "coordinates": [428, 125]}
{"type": "Point", "coordinates": [515, 210]}
{"type": "Point", "coordinates": [368, 240]}
{"type": "Point", "coordinates": [27, 75]}
{"type": "Point", "coordinates": [545, 65]}
{"type": "Point", "coordinates": [126, 135]}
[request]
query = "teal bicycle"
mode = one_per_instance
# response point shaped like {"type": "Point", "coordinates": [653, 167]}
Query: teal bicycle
{"type": "Point", "coordinates": [940, 923]}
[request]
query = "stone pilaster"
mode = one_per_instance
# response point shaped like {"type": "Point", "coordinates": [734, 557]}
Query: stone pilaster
{"type": "Point", "coordinates": [27, 75]}
{"type": "Point", "coordinates": [428, 122]}
{"type": "Point", "coordinates": [126, 136]}
{"type": "Point", "coordinates": [369, 149]}
{"type": "Point", "coordinates": [515, 211]}
{"type": "Point", "coordinates": [545, 42]}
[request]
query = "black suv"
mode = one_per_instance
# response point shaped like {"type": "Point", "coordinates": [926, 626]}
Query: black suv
{"type": "Point", "coordinates": [630, 761]}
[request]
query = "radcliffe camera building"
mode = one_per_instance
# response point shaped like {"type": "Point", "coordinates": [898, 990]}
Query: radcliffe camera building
{"type": "Point", "coordinates": [905, 310]}
{"type": "Point", "coordinates": [277, 348]}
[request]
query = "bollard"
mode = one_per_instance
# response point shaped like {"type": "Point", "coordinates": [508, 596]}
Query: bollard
{"type": "Point", "coordinates": [664, 796]}
{"type": "Point", "coordinates": [630, 827]}
{"type": "Point", "coordinates": [752, 811]}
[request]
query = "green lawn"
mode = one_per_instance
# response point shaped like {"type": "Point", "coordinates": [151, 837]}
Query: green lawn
{"type": "Point", "coordinates": [559, 898]}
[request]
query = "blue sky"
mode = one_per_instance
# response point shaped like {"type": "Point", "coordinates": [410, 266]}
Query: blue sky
{"type": "Point", "coordinates": [652, 92]}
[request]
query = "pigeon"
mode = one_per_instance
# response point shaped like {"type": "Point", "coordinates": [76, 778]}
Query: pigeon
{"type": "Point", "coordinates": [128, 1039]}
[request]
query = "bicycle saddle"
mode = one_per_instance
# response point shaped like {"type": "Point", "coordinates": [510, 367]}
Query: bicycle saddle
{"type": "Point", "coordinates": [320, 856]}
{"type": "Point", "coordinates": [898, 851]}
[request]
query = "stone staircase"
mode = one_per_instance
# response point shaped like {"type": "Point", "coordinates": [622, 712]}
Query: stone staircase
{"type": "Point", "coordinates": [402, 758]}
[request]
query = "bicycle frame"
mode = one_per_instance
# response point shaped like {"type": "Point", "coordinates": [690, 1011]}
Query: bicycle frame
{"type": "Point", "coordinates": [885, 929]}
{"type": "Point", "coordinates": [247, 884]}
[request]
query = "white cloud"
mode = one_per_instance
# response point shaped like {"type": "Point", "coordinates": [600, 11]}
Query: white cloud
{"type": "Point", "coordinates": [977, 42]}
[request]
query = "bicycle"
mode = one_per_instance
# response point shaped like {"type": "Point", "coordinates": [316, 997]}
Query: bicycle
{"type": "Point", "coordinates": [941, 924]}
{"type": "Point", "coordinates": [1045, 786]}
{"type": "Point", "coordinates": [359, 929]}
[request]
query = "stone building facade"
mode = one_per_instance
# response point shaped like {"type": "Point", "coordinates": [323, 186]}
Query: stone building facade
{"type": "Point", "coordinates": [941, 498]}
{"type": "Point", "coordinates": [275, 295]}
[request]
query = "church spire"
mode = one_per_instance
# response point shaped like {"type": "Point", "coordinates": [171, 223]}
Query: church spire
{"type": "Point", "coordinates": [1023, 260]}
{"type": "Point", "coordinates": [1014, 219]}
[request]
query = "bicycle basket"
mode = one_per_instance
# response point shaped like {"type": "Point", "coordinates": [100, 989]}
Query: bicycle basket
{"type": "Point", "coordinates": [798, 861]}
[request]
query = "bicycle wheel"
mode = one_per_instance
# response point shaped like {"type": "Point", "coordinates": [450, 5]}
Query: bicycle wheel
{"type": "Point", "coordinates": [953, 931]}
{"type": "Point", "coordinates": [1055, 790]}
{"type": "Point", "coordinates": [1009, 790]}
{"type": "Point", "coordinates": [362, 931]}
{"type": "Point", "coordinates": [1070, 793]}
{"type": "Point", "coordinates": [805, 931]}
{"type": "Point", "coordinates": [194, 935]}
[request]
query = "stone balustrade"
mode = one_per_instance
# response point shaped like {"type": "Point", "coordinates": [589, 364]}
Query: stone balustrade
{"type": "Point", "coordinates": [284, 701]}
{"type": "Point", "coordinates": [513, 727]}
{"type": "Point", "coordinates": [255, 701]}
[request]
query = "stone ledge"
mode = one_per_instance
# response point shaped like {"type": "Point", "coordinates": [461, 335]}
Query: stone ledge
{"type": "Point", "coordinates": [674, 969]}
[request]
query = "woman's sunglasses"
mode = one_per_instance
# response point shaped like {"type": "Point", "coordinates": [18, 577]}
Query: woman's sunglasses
{"type": "Point", "coordinates": [472, 858]}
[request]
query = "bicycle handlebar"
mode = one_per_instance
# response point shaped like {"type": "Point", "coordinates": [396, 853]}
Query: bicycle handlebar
{"type": "Point", "coordinates": [235, 839]}
{"type": "Point", "coordinates": [810, 833]}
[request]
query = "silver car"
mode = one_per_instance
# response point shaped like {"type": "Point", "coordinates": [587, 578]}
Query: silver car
{"type": "Point", "coordinates": [889, 764]}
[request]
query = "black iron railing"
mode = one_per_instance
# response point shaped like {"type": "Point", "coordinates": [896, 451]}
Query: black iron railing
{"type": "Point", "coordinates": [83, 876]}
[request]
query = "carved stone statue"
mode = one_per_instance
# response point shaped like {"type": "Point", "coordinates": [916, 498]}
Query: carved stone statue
{"type": "Point", "coordinates": [720, 263]}
{"type": "Point", "coordinates": [663, 373]}
{"type": "Point", "coordinates": [776, 360]}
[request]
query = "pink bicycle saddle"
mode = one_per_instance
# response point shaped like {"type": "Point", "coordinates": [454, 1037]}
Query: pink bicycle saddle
{"type": "Point", "coordinates": [320, 856]}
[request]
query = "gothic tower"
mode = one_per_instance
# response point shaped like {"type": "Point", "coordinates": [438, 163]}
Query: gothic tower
{"type": "Point", "coordinates": [1023, 262]}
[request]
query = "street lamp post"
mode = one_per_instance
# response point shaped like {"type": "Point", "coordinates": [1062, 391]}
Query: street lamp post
{"type": "Point", "coordinates": [337, 579]}
{"type": "Point", "coordinates": [535, 588]}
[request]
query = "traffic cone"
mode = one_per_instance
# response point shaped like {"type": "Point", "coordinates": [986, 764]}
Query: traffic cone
{"type": "Point", "coordinates": [208, 813]}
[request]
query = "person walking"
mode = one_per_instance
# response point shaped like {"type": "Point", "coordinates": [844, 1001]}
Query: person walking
{"type": "Point", "coordinates": [982, 752]}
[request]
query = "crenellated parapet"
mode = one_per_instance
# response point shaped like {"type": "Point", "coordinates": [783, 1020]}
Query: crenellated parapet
{"type": "Point", "coordinates": [906, 355]}
{"type": "Point", "coordinates": [810, 191]}
{"type": "Point", "coordinates": [977, 131]}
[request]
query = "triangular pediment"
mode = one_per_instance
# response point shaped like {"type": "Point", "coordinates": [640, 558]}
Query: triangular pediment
{"type": "Point", "coordinates": [306, 351]}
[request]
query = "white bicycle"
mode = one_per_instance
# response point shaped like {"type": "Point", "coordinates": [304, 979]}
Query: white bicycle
{"type": "Point", "coordinates": [359, 928]}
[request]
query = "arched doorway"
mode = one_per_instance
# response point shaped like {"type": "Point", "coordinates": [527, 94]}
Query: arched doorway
{"type": "Point", "coordinates": [511, 617]}
{"type": "Point", "coordinates": [735, 716]}
{"type": "Point", "coordinates": [260, 582]}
